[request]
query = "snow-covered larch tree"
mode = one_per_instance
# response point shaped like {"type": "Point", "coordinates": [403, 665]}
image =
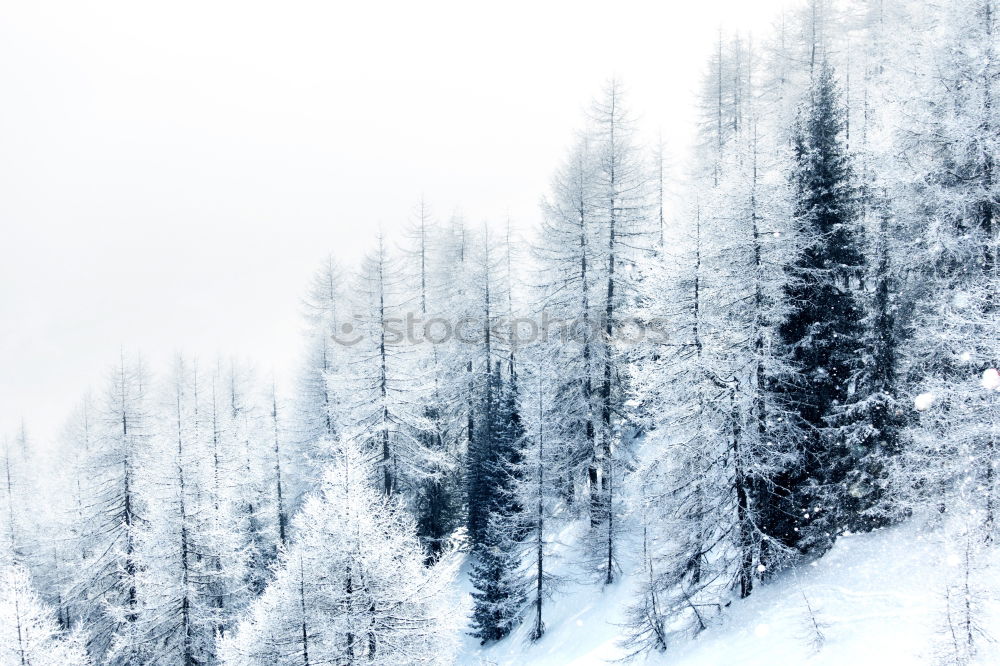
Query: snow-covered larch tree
{"type": "Point", "coordinates": [352, 586]}
{"type": "Point", "coordinates": [29, 632]}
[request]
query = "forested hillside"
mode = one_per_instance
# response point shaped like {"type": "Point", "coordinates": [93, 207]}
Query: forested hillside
{"type": "Point", "coordinates": [705, 370]}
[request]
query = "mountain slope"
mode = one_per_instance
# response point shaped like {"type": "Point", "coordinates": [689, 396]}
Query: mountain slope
{"type": "Point", "coordinates": [879, 599]}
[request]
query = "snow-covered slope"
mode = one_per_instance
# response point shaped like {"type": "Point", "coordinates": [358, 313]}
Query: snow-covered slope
{"type": "Point", "coordinates": [878, 598]}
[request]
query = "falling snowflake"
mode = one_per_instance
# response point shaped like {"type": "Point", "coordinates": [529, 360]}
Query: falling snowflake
{"type": "Point", "coordinates": [923, 401]}
{"type": "Point", "coordinates": [991, 379]}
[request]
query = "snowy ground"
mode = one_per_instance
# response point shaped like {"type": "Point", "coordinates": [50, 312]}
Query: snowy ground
{"type": "Point", "coordinates": [581, 620]}
{"type": "Point", "coordinates": [879, 595]}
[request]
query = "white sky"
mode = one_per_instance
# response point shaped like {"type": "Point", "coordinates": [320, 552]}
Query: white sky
{"type": "Point", "coordinates": [172, 172]}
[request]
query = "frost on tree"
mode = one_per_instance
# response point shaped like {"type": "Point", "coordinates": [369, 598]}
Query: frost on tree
{"type": "Point", "coordinates": [352, 587]}
{"type": "Point", "coordinates": [29, 632]}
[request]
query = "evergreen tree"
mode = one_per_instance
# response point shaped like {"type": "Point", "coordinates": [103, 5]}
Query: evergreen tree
{"type": "Point", "coordinates": [870, 424]}
{"type": "Point", "coordinates": [496, 436]}
{"type": "Point", "coordinates": [500, 596]}
{"type": "Point", "coordinates": [822, 331]}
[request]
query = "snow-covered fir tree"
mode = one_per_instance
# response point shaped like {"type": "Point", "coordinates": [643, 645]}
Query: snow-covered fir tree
{"type": "Point", "coordinates": [494, 471]}
{"type": "Point", "coordinates": [822, 330]}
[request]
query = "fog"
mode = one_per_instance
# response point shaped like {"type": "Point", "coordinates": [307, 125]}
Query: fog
{"type": "Point", "coordinates": [170, 173]}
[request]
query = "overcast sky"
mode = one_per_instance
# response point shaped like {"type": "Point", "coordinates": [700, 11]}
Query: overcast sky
{"type": "Point", "coordinates": [171, 172]}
